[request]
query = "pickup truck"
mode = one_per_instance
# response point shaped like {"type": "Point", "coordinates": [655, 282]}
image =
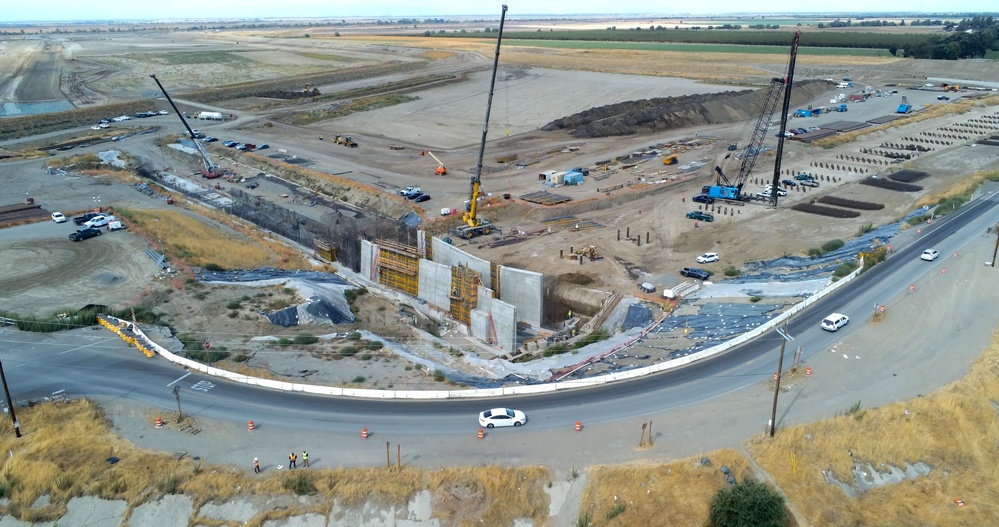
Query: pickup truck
{"type": "Point", "coordinates": [411, 191]}
{"type": "Point", "coordinates": [693, 272]}
{"type": "Point", "coordinates": [803, 177]}
{"type": "Point", "coordinates": [83, 234]}
{"type": "Point", "coordinates": [699, 215]}
{"type": "Point", "coordinates": [99, 221]}
{"type": "Point", "coordinates": [85, 217]}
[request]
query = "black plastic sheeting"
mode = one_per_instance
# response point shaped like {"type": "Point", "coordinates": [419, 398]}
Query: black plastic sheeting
{"type": "Point", "coordinates": [638, 316]}
{"type": "Point", "coordinates": [321, 308]}
{"type": "Point", "coordinates": [286, 317]}
{"type": "Point", "coordinates": [270, 273]}
{"type": "Point", "coordinates": [411, 220]}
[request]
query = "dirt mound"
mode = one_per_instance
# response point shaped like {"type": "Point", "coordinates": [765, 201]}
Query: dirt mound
{"type": "Point", "coordinates": [667, 113]}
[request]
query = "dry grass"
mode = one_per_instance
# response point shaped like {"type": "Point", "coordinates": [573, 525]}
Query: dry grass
{"type": "Point", "coordinates": [962, 188]}
{"type": "Point", "coordinates": [489, 495]}
{"type": "Point", "coordinates": [199, 243]}
{"type": "Point", "coordinates": [954, 430]}
{"type": "Point", "coordinates": [675, 494]}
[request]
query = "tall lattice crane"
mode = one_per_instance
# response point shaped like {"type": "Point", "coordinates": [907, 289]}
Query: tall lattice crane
{"type": "Point", "coordinates": [474, 225]}
{"type": "Point", "coordinates": [211, 169]}
{"type": "Point", "coordinates": [726, 189]}
{"type": "Point", "coordinates": [775, 184]}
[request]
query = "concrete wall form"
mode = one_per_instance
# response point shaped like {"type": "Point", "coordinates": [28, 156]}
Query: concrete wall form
{"type": "Point", "coordinates": [435, 284]}
{"type": "Point", "coordinates": [447, 254]}
{"type": "Point", "coordinates": [525, 291]}
{"type": "Point", "coordinates": [494, 320]}
{"type": "Point", "coordinates": [368, 259]}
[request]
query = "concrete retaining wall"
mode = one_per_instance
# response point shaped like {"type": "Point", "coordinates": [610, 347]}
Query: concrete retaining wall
{"type": "Point", "coordinates": [435, 284]}
{"type": "Point", "coordinates": [447, 254]}
{"type": "Point", "coordinates": [525, 291]}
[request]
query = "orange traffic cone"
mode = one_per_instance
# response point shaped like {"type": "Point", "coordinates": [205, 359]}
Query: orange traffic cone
{"type": "Point", "coordinates": [481, 434]}
{"type": "Point", "coordinates": [364, 433]}
{"type": "Point", "coordinates": [249, 426]}
{"type": "Point", "coordinates": [159, 423]}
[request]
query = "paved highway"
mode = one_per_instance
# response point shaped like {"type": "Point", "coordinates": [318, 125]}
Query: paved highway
{"type": "Point", "coordinates": [98, 364]}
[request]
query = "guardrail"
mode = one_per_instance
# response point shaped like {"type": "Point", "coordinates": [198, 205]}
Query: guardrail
{"type": "Point", "coordinates": [147, 345]}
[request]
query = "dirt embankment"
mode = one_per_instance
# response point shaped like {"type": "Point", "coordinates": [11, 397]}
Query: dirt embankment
{"type": "Point", "coordinates": [650, 116]}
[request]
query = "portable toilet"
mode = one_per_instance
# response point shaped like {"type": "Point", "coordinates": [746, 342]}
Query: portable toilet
{"type": "Point", "coordinates": [555, 178]}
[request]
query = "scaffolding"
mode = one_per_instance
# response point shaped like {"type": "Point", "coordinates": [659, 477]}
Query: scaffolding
{"type": "Point", "coordinates": [494, 279]}
{"type": "Point", "coordinates": [465, 284]}
{"type": "Point", "coordinates": [399, 266]}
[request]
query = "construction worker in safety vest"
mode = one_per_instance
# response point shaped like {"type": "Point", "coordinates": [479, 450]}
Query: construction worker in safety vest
{"type": "Point", "coordinates": [291, 460]}
{"type": "Point", "coordinates": [305, 458]}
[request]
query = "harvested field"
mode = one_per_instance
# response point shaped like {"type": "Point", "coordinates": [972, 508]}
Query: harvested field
{"type": "Point", "coordinates": [890, 185]}
{"type": "Point", "coordinates": [830, 212]}
{"type": "Point", "coordinates": [908, 176]}
{"type": "Point", "coordinates": [850, 204]}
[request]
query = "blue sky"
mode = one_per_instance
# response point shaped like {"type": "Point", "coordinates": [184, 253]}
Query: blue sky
{"type": "Point", "coordinates": [51, 10]}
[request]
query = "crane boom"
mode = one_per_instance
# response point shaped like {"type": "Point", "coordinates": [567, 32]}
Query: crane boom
{"type": "Point", "coordinates": [783, 118]}
{"type": "Point", "coordinates": [474, 225]}
{"type": "Point", "coordinates": [723, 189]}
{"type": "Point", "coordinates": [209, 166]}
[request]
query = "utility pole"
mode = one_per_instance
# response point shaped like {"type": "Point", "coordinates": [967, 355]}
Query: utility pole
{"type": "Point", "coordinates": [995, 251]}
{"type": "Point", "coordinates": [10, 404]}
{"type": "Point", "coordinates": [176, 393]}
{"type": "Point", "coordinates": [780, 366]}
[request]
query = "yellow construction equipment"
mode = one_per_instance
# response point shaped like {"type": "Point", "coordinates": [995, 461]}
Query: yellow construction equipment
{"type": "Point", "coordinates": [345, 140]}
{"type": "Point", "coordinates": [671, 159]}
{"type": "Point", "coordinates": [441, 170]}
{"type": "Point", "coordinates": [474, 225]}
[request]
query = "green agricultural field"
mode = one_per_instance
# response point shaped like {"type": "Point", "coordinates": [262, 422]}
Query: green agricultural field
{"type": "Point", "coordinates": [698, 48]}
{"type": "Point", "coordinates": [197, 57]}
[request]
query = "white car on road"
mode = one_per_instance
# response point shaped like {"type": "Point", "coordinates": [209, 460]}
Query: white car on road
{"type": "Point", "coordinates": [58, 217]}
{"type": "Point", "coordinates": [502, 417]}
{"type": "Point", "coordinates": [707, 258]}
{"type": "Point", "coordinates": [929, 255]}
{"type": "Point", "coordinates": [835, 321]}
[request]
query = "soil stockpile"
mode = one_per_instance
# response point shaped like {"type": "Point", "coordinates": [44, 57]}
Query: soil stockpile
{"type": "Point", "coordinates": [667, 113]}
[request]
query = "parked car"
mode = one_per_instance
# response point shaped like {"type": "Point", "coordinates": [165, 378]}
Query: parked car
{"type": "Point", "coordinates": [242, 147]}
{"type": "Point", "coordinates": [929, 255]}
{"type": "Point", "coordinates": [704, 198]}
{"type": "Point", "coordinates": [943, 98]}
{"type": "Point", "coordinates": [707, 258]}
{"type": "Point", "coordinates": [804, 177]}
{"type": "Point", "coordinates": [647, 287]}
{"type": "Point", "coordinates": [700, 215]}
{"type": "Point", "coordinates": [789, 183]}
{"type": "Point", "coordinates": [264, 146]}
{"type": "Point", "coordinates": [809, 183]}
{"type": "Point", "coordinates": [422, 197]}
{"type": "Point", "coordinates": [415, 195]}
{"type": "Point", "coordinates": [95, 127]}
{"type": "Point", "coordinates": [210, 139]}
{"type": "Point", "coordinates": [58, 217]}
{"type": "Point", "coordinates": [98, 221]}
{"type": "Point", "coordinates": [502, 417]}
{"type": "Point", "coordinates": [251, 146]}
{"type": "Point", "coordinates": [83, 234]}
{"type": "Point", "coordinates": [780, 192]}
{"type": "Point", "coordinates": [230, 144]}
{"type": "Point", "coordinates": [409, 191]}
{"type": "Point", "coordinates": [693, 272]}
{"type": "Point", "coordinates": [834, 321]}
{"type": "Point", "coordinates": [85, 217]}
{"type": "Point", "coordinates": [163, 112]}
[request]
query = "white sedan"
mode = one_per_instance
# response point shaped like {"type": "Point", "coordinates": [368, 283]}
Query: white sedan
{"type": "Point", "coordinates": [502, 417]}
{"type": "Point", "coordinates": [58, 217]}
{"type": "Point", "coordinates": [929, 255]}
{"type": "Point", "coordinates": [707, 258]}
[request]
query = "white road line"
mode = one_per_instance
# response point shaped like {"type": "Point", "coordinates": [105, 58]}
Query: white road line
{"type": "Point", "coordinates": [178, 380]}
{"type": "Point", "coordinates": [81, 347]}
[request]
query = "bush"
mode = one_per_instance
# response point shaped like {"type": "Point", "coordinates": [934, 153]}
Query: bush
{"type": "Point", "coordinates": [233, 305]}
{"type": "Point", "coordinates": [240, 357]}
{"type": "Point", "coordinates": [557, 349]}
{"type": "Point", "coordinates": [366, 356]}
{"type": "Point", "coordinates": [948, 205]}
{"type": "Point", "coordinates": [358, 380]}
{"type": "Point", "coordinates": [354, 336]}
{"type": "Point", "coordinates": [596, 336]}
{"type": "Point", "coordinates": [831, 246]}
{"type": "Point", "coordinates": [916, 220]}
{"type": "Point", "coordinates": [303, 339]}
{"type": "Point", "coordinates": [755, 298]}
{"type": "Point", "coordinates": [749, 502]}
{"type": "Point", "coordinates": [731, 271]}
{"type": "Point", "coordinates": [301, 483]}
{"type": "Point", "coordinates": [374, 345]}
{"type": "Point", "coordinates": [213, 267]}
{"type": "Point", "coordinates": [354, 294]}
{"type": "Point", "coordinates": [232, 314]}
{"type": "Point", "coordinates": [439, 376]}
{"type": "Point", "coordinates": [865, 228]}
{"type": "Point", "coordinates": [284, 342]}
{"type": "Point", "coordinates": [169, 484]}
{"type": "Point", "coordinates": [207, 356]}
{"type": "Point", "coordinates": [348, 351]}
{"type": "Point", "coordinates": [844, 269]}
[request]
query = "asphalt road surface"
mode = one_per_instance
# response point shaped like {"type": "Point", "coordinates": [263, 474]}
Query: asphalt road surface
{"type": "Point", "coordinates": [709, 404]}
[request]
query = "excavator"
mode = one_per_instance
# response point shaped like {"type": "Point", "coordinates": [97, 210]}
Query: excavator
{"type": "Point", "coordinates": [474, 225]}
{"type": "Point", "coordinates": [344, 140]}
{"type": "Point", "coordinates": [671, 159]}
{"type": "Point", "coordinates": [441, 169]}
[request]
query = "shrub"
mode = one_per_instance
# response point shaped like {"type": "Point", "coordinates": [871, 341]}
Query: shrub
{"type": "Point", "coordinates": [348, 351]}
{"type": "Point", "coordinates": [916, 220]}
{"type": "Point", "coordinates": [366, 356]}
{"type": "Point", "coordinates": [301, 483]}
{"type": "Point", "coordinates": [596, 336]}
{"type": "Point", "coordinates": [748, 502]}
{"type": "Point", "coordinates": [240, 357]}
{"type": "Point", "coordinates": [865, 228]}
{"type": "Point", "coordinates": [557, 349]}
{"type": "Point", "coordinates": [207, 356]}
{"type": "Point", "coordinates": [213, 267]}
{"type": "Point", "coordinates": [284, 342]}
{"type": "Point", "coordinates": [358, 380]}
{"type": "Point", "coordinates": [169, 484]}
{"type": "Point", "coordinates": [303, 339]}
{"type": "Point", "coordinates": [845, 268]}
{"type": "Point", "coordinates": [731, 271]}
{"type": "Point", "coordinates": [233, 305]}
{"type": "Point", "coordinates": [354, 294]}
{"type": "Point", "coordinates": [232, 314]}
{"type": "Point", "coordinates": [755, 298]}
{"type": "Point", "coordinates": [832, 245]}
{"type": "Point", "coordinates": [374, 345]}
{"type": "Point", "coordinates": [439, 376]}
{"type": "Point", "coordinates": [354, 336]}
